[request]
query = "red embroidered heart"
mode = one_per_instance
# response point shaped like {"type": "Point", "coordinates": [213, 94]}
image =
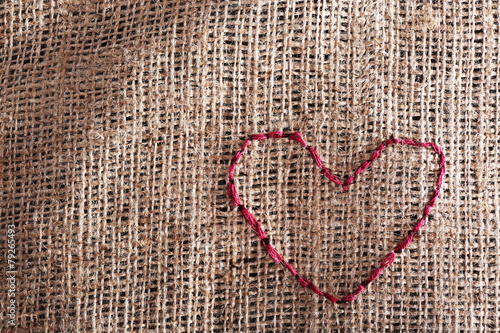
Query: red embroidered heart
{"type": "Point", "coordinates": [387, 261]}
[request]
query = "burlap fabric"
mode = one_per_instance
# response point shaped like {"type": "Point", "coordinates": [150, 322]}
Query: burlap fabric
{"type": "Point", "coordinates": [119, 120]}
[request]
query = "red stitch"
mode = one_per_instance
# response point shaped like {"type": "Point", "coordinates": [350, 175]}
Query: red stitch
{"type": "Point", "coordinates": [258, 137]}
{"type": "Point", "coordinates": [290, 268]}
{"type": "Point", "coordinates": [297, 137]}
{"type": "Point", "coordinates": [387, 261]}
{"type": "Point", "coordinates": [315, 289]}
{"type": "Point", "coordinates": [253, 222]}
{"type": "Point", "coordinates": [330, 298]}
{"type": "Point", "coordinates": [365, 165]}
{"type": "Point", "coordinates": [233, 193]}
{"type": "Point", "coordinates": [304, 282]}
{"type": "Point", "coordinates": [348, 182]}
{"type": "Point", "coordinates": [373, 276]}
{"type": "Point", "coordinates": [245, 144]}
{"type": "Point", "coordinates": [236, 157]}
{"type": "Point", "coordinates": [275, 134]}
{"type": "Point", "coordinates": [352, 297]}
{"type": "Point", "coordinates": [273, 253]}
{"type": "Point", "coordinates": [408, 142]}
{"type": "Point", "coordinates": [231, 171]}
{"type": "Point", "coordinates": [419, 225]}
{"type": "Point", "coordinates": [328, 175]}
{"type": "Point", "coordinates": [405, 242]}
{"type": "Point", "coordinates": [433, 200]}
{"type": "Point", "coordinates": [316, 158]}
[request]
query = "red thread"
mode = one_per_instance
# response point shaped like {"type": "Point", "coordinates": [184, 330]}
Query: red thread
{"type": "Point", "coordinates": [290, 268]}
{"type": "Point", "coordinates": [405, 242]}
{"type": "Point", "coordinates": [233, 193]}
{"type": "Point", "coordinates": [297, 137]}
{"type": "Point", "coordinates": [275, 134]}
{"type": "Point", "coordinates": [258, 137]}
{"type": "Point", "coordinates": [328, 175]}
{"type": "Point", "coordinates": [304, 282]}
{"type": "Point", "coordinates": [387, 261]}
{"type": "Point", "coordinates": [330, 298]}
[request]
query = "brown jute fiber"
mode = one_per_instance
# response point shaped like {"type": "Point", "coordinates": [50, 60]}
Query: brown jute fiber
{"type": "Point", "coordinates": [118, 121]}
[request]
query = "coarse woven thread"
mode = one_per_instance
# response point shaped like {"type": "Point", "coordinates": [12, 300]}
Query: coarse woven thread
{"type": "Point", "coordinates": [389, 259]}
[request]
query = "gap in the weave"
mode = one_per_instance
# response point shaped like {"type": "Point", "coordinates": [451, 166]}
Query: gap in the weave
{"type": "Point", "coordinates": [332, 237]}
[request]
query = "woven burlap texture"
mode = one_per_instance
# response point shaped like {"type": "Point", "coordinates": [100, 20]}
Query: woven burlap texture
{"type": "Point", "coordinates": [118, 121]}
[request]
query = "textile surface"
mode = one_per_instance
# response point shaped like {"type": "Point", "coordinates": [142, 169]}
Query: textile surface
{"type": "Point", "coordinates": [118, 122]}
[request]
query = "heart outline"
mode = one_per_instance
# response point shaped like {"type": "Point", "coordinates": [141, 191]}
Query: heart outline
{"type": "Point", "coordinates": [384, 263]}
